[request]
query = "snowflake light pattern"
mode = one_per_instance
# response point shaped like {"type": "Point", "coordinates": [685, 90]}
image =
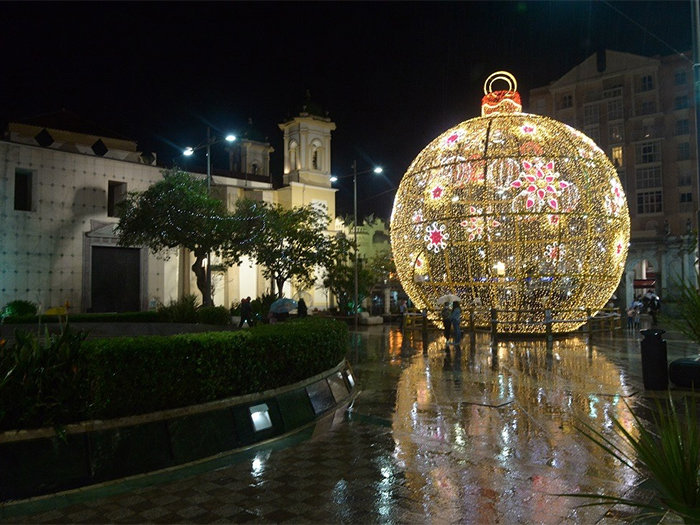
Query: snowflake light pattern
{"type": "Point", "coordinates": [436, 236]}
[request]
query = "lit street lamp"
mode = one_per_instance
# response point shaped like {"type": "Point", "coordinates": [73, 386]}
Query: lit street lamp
{"type": "Point", "coordinates": [355, 173]}
{"type": "Point", "coordinates": [188, 152]}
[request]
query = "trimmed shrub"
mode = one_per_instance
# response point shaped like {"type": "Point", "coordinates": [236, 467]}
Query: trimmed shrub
{"type": "Point", "coordinates": [121, 376]}
{"type": "Point", "coordinates": [125, 317]}
{"type": "Point", "coordinates": [184, 310]}
{"type": "Point", "coordinates": [18, 308]}
{"type": "Point", "coordinates": [213, 315]}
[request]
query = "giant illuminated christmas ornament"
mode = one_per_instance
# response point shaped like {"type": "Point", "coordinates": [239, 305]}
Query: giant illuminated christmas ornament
{"type": "Point", "coordinates": [511, 211]}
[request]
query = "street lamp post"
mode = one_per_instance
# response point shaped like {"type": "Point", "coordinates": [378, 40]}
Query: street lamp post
{"type": "Point", "coordinates": [189, 150]}
{"type": "Point", "coordinates": [355, 173]}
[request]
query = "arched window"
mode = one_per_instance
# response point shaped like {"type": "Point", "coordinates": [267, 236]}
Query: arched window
{"type": "Point", "coordinates": [293, 155]}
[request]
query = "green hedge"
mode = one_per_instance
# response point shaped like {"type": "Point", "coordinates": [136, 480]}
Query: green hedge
{"type": "Point", "coordinates": [134, 375]}
{"type": "Point", "coordinates": [150, 316]}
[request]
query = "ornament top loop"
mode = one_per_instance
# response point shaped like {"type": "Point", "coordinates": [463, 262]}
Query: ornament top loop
{"type": "Point", "coordinates": [501, 101]}
{"type": "Point", "coordinates": [500, 75]}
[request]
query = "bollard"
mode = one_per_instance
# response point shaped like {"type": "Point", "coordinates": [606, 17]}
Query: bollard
{"type": "Point", "coordinates": [654, 363]}
{"type": "Point", "coordinates": [494, 326]}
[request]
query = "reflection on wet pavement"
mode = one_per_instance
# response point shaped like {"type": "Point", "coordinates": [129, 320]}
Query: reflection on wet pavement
{"type": "Point", "coordinates": [437, 434]}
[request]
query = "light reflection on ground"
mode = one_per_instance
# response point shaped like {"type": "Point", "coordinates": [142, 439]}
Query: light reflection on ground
{"type": "Point", "coordinates": [435, 435]}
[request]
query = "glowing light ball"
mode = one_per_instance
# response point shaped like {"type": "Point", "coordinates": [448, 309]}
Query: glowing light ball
{"type": "Point", "coordinates": [512, 211]}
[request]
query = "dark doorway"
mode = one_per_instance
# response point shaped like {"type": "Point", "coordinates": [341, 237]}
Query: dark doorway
{"type": "Point", "coordinates": [116, 275]}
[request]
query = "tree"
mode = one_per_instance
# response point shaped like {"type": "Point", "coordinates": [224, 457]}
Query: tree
{"type": "Point", "coordinates": [339, 274]}
{"type": "Point", "coordinates": [177, 212]}
{"type": "Point", "coordinates": [288, 244]}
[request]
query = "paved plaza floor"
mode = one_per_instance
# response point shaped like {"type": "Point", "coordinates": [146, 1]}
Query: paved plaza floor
{"type": "Point", "coordinates": [436, 434]}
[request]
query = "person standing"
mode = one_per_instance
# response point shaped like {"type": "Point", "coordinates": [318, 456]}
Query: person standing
{"type": "Point", "coordinates": [246, 313]}
{"type": "Point", "coordinates": [301, 307]}
{"type": "Point", "coordinates": [402, 312]}
{"type": "Point", "coordinates": [446, 321]}
{"type": "Point", "coordinates": [456, 319]}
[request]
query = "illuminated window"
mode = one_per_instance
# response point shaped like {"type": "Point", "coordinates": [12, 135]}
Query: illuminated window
{"type": "Point", "coordinates": [617, 156]}
{"type": "Point", "coordinates": [649, 202]}
{"type": "Point", "coordinates": [648, 177]}
{"type": "Point", "coordinates": [116, 193]}
{"type": "Point", "coordinates": [23, 190]}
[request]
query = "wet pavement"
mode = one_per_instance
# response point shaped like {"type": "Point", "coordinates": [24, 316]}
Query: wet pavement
{"type": "Point", "coordinates": [436, 434]}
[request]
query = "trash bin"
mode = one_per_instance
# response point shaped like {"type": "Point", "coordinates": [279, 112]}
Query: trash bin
{"type": "Point", "coordinates": [654, 363]}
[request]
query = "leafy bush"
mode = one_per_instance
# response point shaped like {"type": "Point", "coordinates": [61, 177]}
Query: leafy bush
{"type": "Point", "coordinates": [687, 318]}
{"type": "Point", "coordinates": [18, 308]}
{"type": "Point", "coordinates": [123, 376]}
{"type": "Point", "coordinates": [261, 306]}
{"type": "Point", "coordinates": [213, 315]}
{"type": "Point", "coordinates": [184, 310]}
{"type": "Point", "coordinates": [43, 382]}
{"type": "Point", "coordinates": [669, 457]}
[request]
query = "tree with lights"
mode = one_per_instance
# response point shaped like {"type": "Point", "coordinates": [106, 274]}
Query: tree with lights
{"type": "Point", "coordinates": [288, 244]}
{"type": "Point", "coordinates": [177, 212]}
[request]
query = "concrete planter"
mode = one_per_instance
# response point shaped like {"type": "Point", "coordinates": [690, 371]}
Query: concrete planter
{"type": "Point", "coordinates": [36, 462]}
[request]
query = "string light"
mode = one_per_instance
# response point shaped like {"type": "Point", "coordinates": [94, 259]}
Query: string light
{"type": "Point", "coordinates": [512, 211]}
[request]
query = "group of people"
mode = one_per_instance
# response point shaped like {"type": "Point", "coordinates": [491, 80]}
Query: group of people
{"type": "Point", "coordinates": [272, 317]}
{"type": "Point", "coordinates": [647, 303]}
{"type": "Point", "coordinates": [451, 319]}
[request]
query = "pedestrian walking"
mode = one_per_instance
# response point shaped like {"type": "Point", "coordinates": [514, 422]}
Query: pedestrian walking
{"type": "Point", "coordinates": [456, 318]}
{"type": "Point", "coordinates": [446, 321]}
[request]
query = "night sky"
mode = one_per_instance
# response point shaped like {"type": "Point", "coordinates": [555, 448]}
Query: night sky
{"type": "Point", "coordinates": [392, 76]}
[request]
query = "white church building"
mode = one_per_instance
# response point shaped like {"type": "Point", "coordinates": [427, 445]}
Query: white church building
{"type": "Point", "coordinates": [60, 182]}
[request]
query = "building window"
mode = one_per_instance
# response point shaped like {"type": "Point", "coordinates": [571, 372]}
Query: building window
{"type": "Point", "coordinates": [683, 127]}
{"type": "Point", "coordinates": [685, 179]}
{"type": "Point", "coordinates": [680, 102]}
{"type": "Point", "coordinates": [683, 151]}
{"type": "Point", "coordinates": [23, 190]}
{"type": "Point", "coordinates": [590, 115]}
{"type": "Point", "coordinates": [116, 193]}
{"type": "Point", "coordinates": [314, 162]}
{"type": "Point", "coordinates": [687, 196]}
{"type": "Point", "coordinates": [647, 83]}
{"type": "Point", "coordinates": [648, 152]}
{"type": "Point", "coordinates": [680, 77]}
{"type": "Point", "coordinates": [615, 110]}
{"type": "Point", "coordinates": [648, 177]}
{"type": "Point", "coordinates": [616, 133]}
{"type": "Point", "coordinates": [567, 101]}
{"type": "Point", "coordinates": [649, 202]}
{"type": "Point", "coordinates": [618, 157]}
{"type": "Point", "coordinates": [647, 107]}
{"type": "Point", "coordinates": [593, 133]}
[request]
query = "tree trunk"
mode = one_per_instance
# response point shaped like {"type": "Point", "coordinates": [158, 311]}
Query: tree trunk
{"type": "Point", "coordinates": [280, 285]}
{"type": "Point", "coordinates": [201, 273]}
